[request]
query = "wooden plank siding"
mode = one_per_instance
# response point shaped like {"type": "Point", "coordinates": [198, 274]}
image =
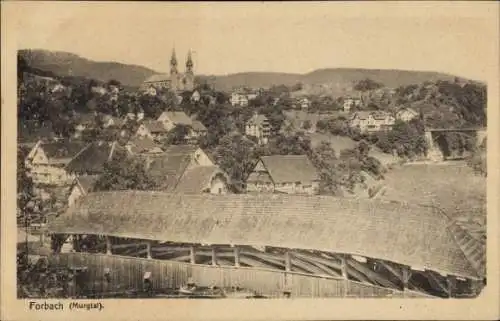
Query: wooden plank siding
{"type": "Point", "coordinates": [128, 272]}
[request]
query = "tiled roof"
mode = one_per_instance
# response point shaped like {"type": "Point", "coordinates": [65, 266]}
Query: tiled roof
{"type": "Point", "coordinates": [197, 179]}
{"type": "Point", "coordinates": [257, 119]}
{"type": "Point", "coordinates": [62, 150]}
{"type": "Point", "coordinates": [198, 126]}
{"type": "Point", "coordinates": [155, 126]}
{"type": "Point", "coordinates": [177, 117]}
{"type": "Point", "coordinates": [140, 145]}
{"type": "Point", "coordinates": [290, 168]}
{"type": "Point", "coordinates": [411, 235]}
{"type": "Point", "coordinates": [93, 158]}
{"type": "Point", "coordinates": [87, 182]}
{"type": "Point", "coordinates": [167, 169]}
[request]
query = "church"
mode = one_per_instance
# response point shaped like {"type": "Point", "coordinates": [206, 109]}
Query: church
{"type": "Point", "coordinates": [175, 81]}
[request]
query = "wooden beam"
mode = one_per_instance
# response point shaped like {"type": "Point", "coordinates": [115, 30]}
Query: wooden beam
{"type": "Point", "coordinates": [343, 273]}
{"type": "Point", "coordinates": [451, 282]}
{"type": "Point", "coordinates": [372, 276]}
{"type": "Point", "coordinates": [192, 255]}
{"type": "Point", "coordinates": [288, 261]}
{"type": "Point", "coordinates": [108, 245]}
{"type": "Point", "coordinates": [236, 256]}
{"type": "Point", "coordinates": [148, 250]}
{"type": "Point", "coordinates": [406, 275]}
{"type": "Point", "coordinates": [343, 266]}
{"type": "Point", "coordinates": [214, 256]}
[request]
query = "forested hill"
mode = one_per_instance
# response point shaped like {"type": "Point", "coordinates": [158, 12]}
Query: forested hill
{"type": "Point", "coordinates": [332, 81]}
{"type": "Point", "coordinates": [68, 64]}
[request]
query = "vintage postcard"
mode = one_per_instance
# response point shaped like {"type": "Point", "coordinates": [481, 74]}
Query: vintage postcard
{"type": "Point", "coordinates": [257, 161]}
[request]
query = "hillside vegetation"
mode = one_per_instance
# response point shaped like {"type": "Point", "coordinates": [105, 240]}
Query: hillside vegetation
{"type": "Point", "coordinates": [68, 64]}
{"type": "Point", "coordinates": [333, 81]}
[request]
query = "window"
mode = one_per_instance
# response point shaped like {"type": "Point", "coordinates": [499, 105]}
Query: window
{"type": "Point", "coordinates": [220, 190]}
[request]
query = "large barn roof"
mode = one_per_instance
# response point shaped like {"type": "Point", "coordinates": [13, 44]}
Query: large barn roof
{"type": "Point", "coordinates": [411, 235]}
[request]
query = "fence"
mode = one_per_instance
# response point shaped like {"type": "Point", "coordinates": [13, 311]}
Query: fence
{"type": "Point", "coordinates": [128, 272]}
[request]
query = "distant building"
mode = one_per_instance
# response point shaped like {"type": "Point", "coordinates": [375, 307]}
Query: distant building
{"type": "Point", "coordinates": [187, 169]}
{"type": "Point", "coordinates": [175, 81]}
{"type": "Point", "coordinates": [48, 162]}
{"type": "Point", "coordinates": [143, 145]}
{"type": "Point", "coordinates": [93, 158]}
{"type": "Point", "coordinates": [350, 103]}
{"type": "Point", "coordinates": [111, 121]}
{"type": "Point", "coordinates": [304, 103]}
{"type": "Point", "coordinates": [372, 121]}
{"type": "Point", "coordinates": [406, 114]}
{"type": "Point", "coordinates": [195, 97]}
{"type": "Point", "coordinates": [238, 99]}
{"type": "Point", "coordinates": [289, 174]}
{"type": "Point", "coordinates": [170, 119]}
{"type": "Point", "coordinates": [259, 127]}
{"type": "Point", "coordinates": [149, 90]}
{"type": "Point", "coordinates": [152, 129]}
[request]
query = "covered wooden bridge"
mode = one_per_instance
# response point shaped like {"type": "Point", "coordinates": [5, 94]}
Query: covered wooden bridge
{"type": "Point", "coordinates": [305, 246]}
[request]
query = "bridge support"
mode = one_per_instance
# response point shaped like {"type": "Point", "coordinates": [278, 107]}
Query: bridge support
{"type": "Point", "coordinates": [433, 151]}
{"type": "Point", "coordinates": [480, 136]}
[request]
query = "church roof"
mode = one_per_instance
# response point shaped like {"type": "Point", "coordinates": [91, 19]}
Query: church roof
{"type": "Point", "coordinates": [158, 78]}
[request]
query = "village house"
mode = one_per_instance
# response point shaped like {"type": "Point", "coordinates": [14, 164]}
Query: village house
{"type": "Point", "coordinates": [150, 91]}
{"type": "Point", "coordinates": [143, 145]}
{"type": "Point", "coordinates": [350, 103]}
{"type": "Point", "coordinates": [195, 97]}
{"type": "Point", "coordinates": [372, 121]}
{"type": "Point", "coordinates": [259, 127]}
{"type": "Point", "coordinates": [406, 114]}
{"type": "Point", "coordinates": [238, 99]}
{"type": "Point", "coordinates": [170, 119]}
{"type": "Point", "coordinates": [83, 123]}
{"type": "Point", "coordinates": [99, 90]}
{"type": "Point", "coordinates": [81, 186]}
{"type": "Point", "coordinates": [47, 162]}
{"type": "Point", "coordinates": [92, 159]}
{"type": "Point", "coordinates": [197, 130]}
{"type": "Point", "coordinates": [111, 121]}
{"type": "Point", "coordinates": [187, 169]}
{"type": "Point", "coordinates": [304, 103]}
{"type": "Point", "coordinates": [289, 174]}
{"type": "Point", "coordinates": [153, 129]}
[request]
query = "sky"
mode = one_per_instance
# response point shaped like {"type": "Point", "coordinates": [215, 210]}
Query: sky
{"type": "Point", "coordinates": [458, 38]}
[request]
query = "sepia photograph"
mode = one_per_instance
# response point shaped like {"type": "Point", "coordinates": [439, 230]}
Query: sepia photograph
{"type": "Point", "coordinates": [248, 151]}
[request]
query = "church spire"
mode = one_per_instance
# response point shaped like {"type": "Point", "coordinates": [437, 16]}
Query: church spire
{"type": "Point", "coordinates": [189, 62]}
{"type": "Point", "coordinates": [173, 62]}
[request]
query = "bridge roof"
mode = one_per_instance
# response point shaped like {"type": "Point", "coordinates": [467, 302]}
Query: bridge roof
{"type": "Point", "coordinates": [411, 235]}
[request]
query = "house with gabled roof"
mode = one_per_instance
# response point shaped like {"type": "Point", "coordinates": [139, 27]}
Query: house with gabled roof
{"type": "Point", "coordinates": [48, 161]}
{"type": "Point", "coordinates": [187, 169]}
{"type": "Point", "coordinates": [170, 119]}
{"type": "Point", "coordinates": [153, 129]}
{"type": "Point", "coordinates": [406, 114]}
{"type": "Point", "coordinates": [92, 159]}
{"type": "Point", "coordinates": [258, 126]}
{"type": "Point", "coordinates": [82, 185]}
{"type": "Point", "coordinates": [143, 145]}
{"type": "Point", "coordinates": [289, 174]}
{"type": "Point", "coordinates": [372, 121]}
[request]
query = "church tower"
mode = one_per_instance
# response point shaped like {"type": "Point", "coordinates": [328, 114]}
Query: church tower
{"type": "Point", "coordinates": [189, 76]}
{"type": "Point", "coordinates": [174, 74]}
